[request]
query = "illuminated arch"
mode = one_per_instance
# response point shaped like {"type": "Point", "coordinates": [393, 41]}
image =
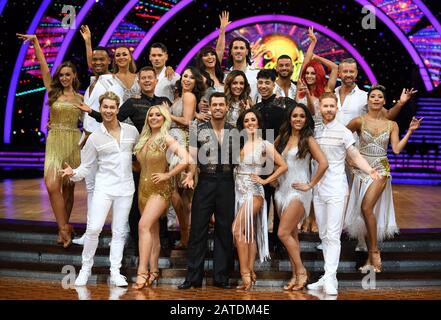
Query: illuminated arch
{"type": "Point", "coordinates": [281, 18]}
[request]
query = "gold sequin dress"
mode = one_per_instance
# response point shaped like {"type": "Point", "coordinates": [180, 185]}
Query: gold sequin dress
{"type": "Point", "coordinates": [63, 138]}
{"type": "Point", "coordinates": [153, 159]}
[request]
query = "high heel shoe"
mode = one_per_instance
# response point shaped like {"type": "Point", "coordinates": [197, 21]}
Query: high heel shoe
{"type": "Point", "coordinates": [60, 238]}
{"type": "Point", "coordinates": [141, 285]}
{"type": "Point", "coordinates": [375, 257]}
{"type": "Point", "coordinates": [253, 277]}
{"type": "Point", "coordinates": [302, 279]}
{"type": "Point", "coordinates": [66, 235]}
{"type": "Point", "coordinates": [154, 276]}
{"type": "Point", "coordinates": [366, 266]}
{"type": "Point", "coordinates": [246, 281]}
{"type": "Point", "coordinates": [290, 284]}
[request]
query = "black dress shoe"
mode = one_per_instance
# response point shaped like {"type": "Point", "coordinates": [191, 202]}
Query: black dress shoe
{"type": "Point", "coordinates": [223, 285]}
{"type": "Point", "coordinates": [188, 285]}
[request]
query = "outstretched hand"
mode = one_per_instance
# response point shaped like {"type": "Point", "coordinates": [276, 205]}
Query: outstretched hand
{"type": "Point", "coordinates": [407, 94]}
{"type": "Point", "coordinates": [224, 18]}
{"type": "Point", "coordinates": [415, 124]}
{"type": "Point", "coordinates": [27, 37]}
{"type": "Point", "coordinates": [169, 73]}
{"type": "Point", "coordinates": [67, 172]}
{"type": "Point", "coordinates": [311, 34]}
{"type": "Point", "coordinates": [188, 182]}
{"type": "Point", "coordinates": [85, 32]}
{"type": "Point", "coordinates": [84, 107]}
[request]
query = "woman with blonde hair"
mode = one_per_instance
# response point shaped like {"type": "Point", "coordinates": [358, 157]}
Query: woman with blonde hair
{"type": "Point", "coordinates": [155, 188]}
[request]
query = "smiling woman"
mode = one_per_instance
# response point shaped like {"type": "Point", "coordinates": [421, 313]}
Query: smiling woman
{"type": "Point", "coordinates": [64, 135]}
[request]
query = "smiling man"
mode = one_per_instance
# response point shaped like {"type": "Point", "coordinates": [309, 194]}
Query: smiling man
{"type": "Point", "coordinates": [214, 193]}
{"type": "Point", "coordinates": [108, 156]}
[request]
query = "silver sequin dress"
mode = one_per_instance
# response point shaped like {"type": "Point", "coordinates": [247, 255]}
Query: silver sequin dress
{"type": "Point", "coordinates": [256, 228]}
{"type": "Point", "coordinates": [374, 149]}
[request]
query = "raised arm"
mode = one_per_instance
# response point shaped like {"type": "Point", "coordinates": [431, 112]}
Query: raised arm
{"type": "Point", "coordinates": [397, 144]}
{"type": "Point", "coordinates": [87, 36]}
{"type": "Point", "coordinates": [318, 155]}
{"type": "Point", "coordinates": [393, 112]}
{"type": "Point", "coordinates": [220, 44]}
{"type": "Point", "coordinates": [310, 51]}
{"type": "Point", "coordinates": [334, 71]}
{"type": "Point", "coordinates": [189, 109]}
{"type": "Point", "coordinates": [45, 73]}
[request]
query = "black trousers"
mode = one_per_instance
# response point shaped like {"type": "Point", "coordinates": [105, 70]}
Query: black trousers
{"type": "Point", "coordinates": [135, 216]}
{"type": "Point", "coordinates": [214, 193]}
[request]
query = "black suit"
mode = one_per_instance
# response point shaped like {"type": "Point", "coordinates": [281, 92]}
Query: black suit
{"type": "Point", "coordinates": [214, 193]}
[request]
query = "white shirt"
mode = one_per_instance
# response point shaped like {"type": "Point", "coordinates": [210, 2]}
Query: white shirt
{"type": "Point", "coordinates": [334, 140]}
{"type": "Point", "coordinates": [114, 160]}
{"type": "Point", "coordinates": [278, 91]}
{"type": "Point", "coordinates": [106, 82]}
{"type": "Point", "coordinates": [165, 87]}
{"type": "Point", "coordinates": [355, 105]}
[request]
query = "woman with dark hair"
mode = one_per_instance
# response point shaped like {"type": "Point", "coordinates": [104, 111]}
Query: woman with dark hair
{"type": "Point", "coordinates": [206, 60]}
{"type": "Point", "coordinates": [63, 137]}
{"type": "Point", "coordinates": [123, 67]}
{"type": "Point", "coordinates": [189, 90]}
{"type": "Point", "coordinates": [370, 211]}
{"type": "Point", "coordinates": [250, 225]}
{"type": "Point", "coordinates": [293, 194]}
{"type": "Point", "coordinates": [237, 95]}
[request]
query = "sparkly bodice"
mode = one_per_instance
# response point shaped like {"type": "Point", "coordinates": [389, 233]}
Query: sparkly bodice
{"type": "Point", "coordinates": [153, 159]}
{"type": "Point", "coordinates": [233, 113]}
{"type": "Point", "coordinates": [373, 147]}
{"type": "Point", "coordinates": [64, 115]}
{"type": "Point", "coordinates": [132, 92]}
{"type": "Point", "coordinates": [177, 109]}
{"type": "Point", "coordinates": [298, 168]}
{"type": "Point", "coordinates": [252, 163]}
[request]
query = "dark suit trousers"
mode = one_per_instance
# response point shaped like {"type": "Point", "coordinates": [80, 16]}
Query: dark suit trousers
{"type": "Point", "coordinates": [214, 193]}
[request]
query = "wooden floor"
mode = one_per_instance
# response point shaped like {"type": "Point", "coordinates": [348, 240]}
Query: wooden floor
{"type": "Point", "coordinates": [23, 289]}
{"type": "Point", "coordinates": [26, 199]}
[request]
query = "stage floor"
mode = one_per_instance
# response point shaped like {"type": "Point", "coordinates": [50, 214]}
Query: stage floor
{"type": "Point", "coordinates": [26, 199]}
{"type": "Point", "coordinates": [27, 289]}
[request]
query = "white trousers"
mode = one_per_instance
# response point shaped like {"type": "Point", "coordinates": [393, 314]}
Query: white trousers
{"type": "Point", "coordinates": [90, 185]}
{"type": "Point", "coordinates": [329, 213]}
{"type": "Point", "coordinates": [98, 211]}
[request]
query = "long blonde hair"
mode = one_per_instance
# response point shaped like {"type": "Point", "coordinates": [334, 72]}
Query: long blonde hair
{"type": "Point", "coordinates": [146, 132]}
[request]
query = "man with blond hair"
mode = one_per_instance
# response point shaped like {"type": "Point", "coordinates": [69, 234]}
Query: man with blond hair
{"type": "Point", "coordinates": [108, 151]}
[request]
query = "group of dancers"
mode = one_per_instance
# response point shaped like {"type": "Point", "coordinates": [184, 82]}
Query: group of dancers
{"type": "Point", "coordinates": [223, 148]}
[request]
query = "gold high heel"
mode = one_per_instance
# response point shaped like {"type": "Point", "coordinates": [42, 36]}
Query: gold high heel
{"type": "Point", "coordinates": [154, 276]}
{"type": "Point", "coordinates": [246, 281]}
{"type": "Point", "coordinates": [138, 285]}
{"type": "Point", "coordinates": [302, 279]}
{"type": "Point", "coordinates": [66, 235]}
{"type": "Point", "coordinates": [290, 284]}
{"type": "Point", "coordinates": [253, 277]}
{"type": "Point", "coordinates": [376, 263]}
{"type": "Point", "coordinates": [60, 238]}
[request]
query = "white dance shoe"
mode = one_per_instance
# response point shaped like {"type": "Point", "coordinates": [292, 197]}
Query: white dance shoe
{"type": "Point", "coordinates": [79, 241]}
{"type": "Point", "coordinates": [82, 278]}
{"type": "Point", "coordinates": [116, 279]}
